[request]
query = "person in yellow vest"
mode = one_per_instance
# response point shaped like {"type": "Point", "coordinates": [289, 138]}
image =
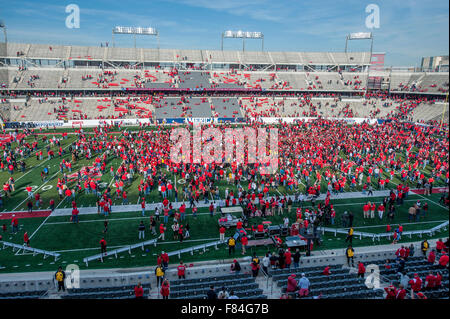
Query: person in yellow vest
{"type": "Point", "coordinates": [350, 235]}
{"type": "Point", "coordinates": [159, 272]}
{"type": "Point", "coordinates": [231, 245]}
{"type": "Point", "coordinates": [349, 252]}
{"type": "Point", "coordinates": [60, 276]}
{"type": "Point", "coordinates": [425, 247]}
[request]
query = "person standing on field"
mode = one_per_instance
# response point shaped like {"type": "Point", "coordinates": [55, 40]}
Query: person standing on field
{"type": "Point", "coordinates": [141, 230]}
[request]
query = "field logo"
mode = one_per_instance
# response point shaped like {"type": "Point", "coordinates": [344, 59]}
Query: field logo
{"type": "Point", "coordinates": [212, 145]}
{"type": "Point", "coordinates": [73, 19]}
{"type": "Point", "coordinates": [72, 276]}
{"type": "Point", "coordinates": [94, 172]}
{"type": "Point", "coordinates": [373, 19]}
{"type": "Point", "coordinates": [373, 279]}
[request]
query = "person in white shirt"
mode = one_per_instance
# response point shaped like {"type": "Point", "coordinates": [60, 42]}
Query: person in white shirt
{"type": "Point", "coordinates": [266, 263]}
{"type": "Point", "coordinates": [223, 294]}
{"type": "Point", "coordinates": [232, 295]}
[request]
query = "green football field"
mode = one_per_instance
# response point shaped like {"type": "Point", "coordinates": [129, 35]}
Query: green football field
{"type": "Point", "coordinates": [47, 188]}
{"type": "Point", "coordinates": [76, 241]}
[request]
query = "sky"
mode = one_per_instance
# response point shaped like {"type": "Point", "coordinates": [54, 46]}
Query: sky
{"type": "Point", "coordinates": [407, 30]}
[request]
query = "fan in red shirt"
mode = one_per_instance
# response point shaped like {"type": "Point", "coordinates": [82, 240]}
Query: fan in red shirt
{"type": "Point", "coordinates": [103, 246]}
{"type": "Point", "coordinates": [366, 209]}
{"type": "Point", "coordinates": [400, 293]}
{"type": "Point", "coordinates": [443, 261]}
{"type": "Point", "coordinates": [430, 282]}
{"type": "Point", "coordinates": [416, 283]}
{"type": "Point", "coordinates": [26, 239]}
{"type": "Point", "coordinates": [288, 258]}
{"type": "Point", "coordinates": [165, 258]}
{"type": "Point", "coordinates": [431, 257]}
{"type": "Point", "coordinates": [390, 292]}
{"type": "Point", "coordinates": [139, 291]}
{"type": "Point", "coordinates": [292, 284]}
{"type": "Point", "coordinates": [181, 270]}
{"type": "Point", "coordinates": [161, 231]}
{"type": "Point", "coordinates": [439, 245]}
{"type": "Point", "coordinates": [438, 280]}
{"type": "Point", "coordinates": [165, 289]}
{"type": "Point", "coordinates": [361, 269]}
{"type": "Point", "coordinates": [421, 296]}
{"type": "Point", "coordinates": [222, 233]}
{"type": "Point", "coordinates": [75, 213]}
{"type": "Point", "coordinates": [326, 271]}
{"type": "Point", "coordinates": [244, 243]}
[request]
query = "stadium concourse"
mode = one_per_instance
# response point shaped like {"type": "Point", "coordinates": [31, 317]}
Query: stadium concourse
{"type": "Point", "coordinates": [89, 183]}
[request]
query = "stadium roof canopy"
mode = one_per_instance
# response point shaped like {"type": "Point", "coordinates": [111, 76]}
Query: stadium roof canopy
{"type": "Point", "coordinates": [141, 55]}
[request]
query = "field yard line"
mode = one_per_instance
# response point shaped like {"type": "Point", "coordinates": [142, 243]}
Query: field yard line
{"type": "Point", "coordinates": [426, 198]}
{"type": "Point", "coordinates": [299, 179]}
{"type": "Point", "coordinates": [63, 200]}
{"type": "Point", "coordinates": [36, 190]}
{"type": "Point", "coordinates": [95, 220]}
{"type": "Point", "coordinates": [431, 201]}
{"type": "Point", "coordinates": [295, 205]}
{"type": "Point", "coordinates": [112, 219]}
{"type": "Point", "coordinates": [40, 226]}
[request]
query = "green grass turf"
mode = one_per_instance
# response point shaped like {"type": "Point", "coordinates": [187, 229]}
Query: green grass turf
{"type": "Point", "coordinates": [48, 189]}
{"type": "Point", "coordinates": [62, 237]}
{"type": "Point", "coordinates": [76, 241]}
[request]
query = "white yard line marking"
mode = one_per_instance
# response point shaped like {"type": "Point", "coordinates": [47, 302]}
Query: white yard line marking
{"type": "Point", "coordinates": [431, 201]}
{"type": "Point", "coordinates": [36, 190]}
{"type": "Point", "coordinates": [39, 227]}
{"type": "Point", "coordinates": [426, 198]}
{"type": "Point", "coordinates": [62, 201]}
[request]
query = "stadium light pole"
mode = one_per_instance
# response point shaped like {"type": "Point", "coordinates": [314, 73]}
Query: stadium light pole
{"type": "Point", "coordinates": [135, 31]}
{"type": "Point", "coordinates": [360, 36]}
{"type": "Point", "coordinates": [243, 35]}
{"type": "Point", "coordinates": [3, 26]}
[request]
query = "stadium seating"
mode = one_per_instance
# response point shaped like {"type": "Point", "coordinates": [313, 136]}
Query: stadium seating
{"type": "Point", "coordinates": [121, 292]}
{"type": "Point", "coordinates": [339, 284]}
{"type": "Point", "coordinates": [420, 266]}
{"type": "Point", "coordinates": [194, 80]}
{"type": "Point", "coordinates": [225, 107]}
{"type": "Point", "coordinates": [243, 284]}
{"type": "Point", "coordinates": [23, 295]}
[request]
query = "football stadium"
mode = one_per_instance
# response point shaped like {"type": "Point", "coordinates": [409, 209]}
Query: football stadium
{"type": "Point", "coordinates": [146, 172]}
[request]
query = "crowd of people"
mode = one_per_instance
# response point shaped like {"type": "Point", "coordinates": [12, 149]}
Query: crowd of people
{"type": "Point", "coordinates": [316, 157]}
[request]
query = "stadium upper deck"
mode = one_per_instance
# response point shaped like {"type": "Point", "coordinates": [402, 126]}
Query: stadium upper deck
{"type": "Point", "coordinates": [47, 67]}
{"type": "Point", "coordinates": [90, 56]}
